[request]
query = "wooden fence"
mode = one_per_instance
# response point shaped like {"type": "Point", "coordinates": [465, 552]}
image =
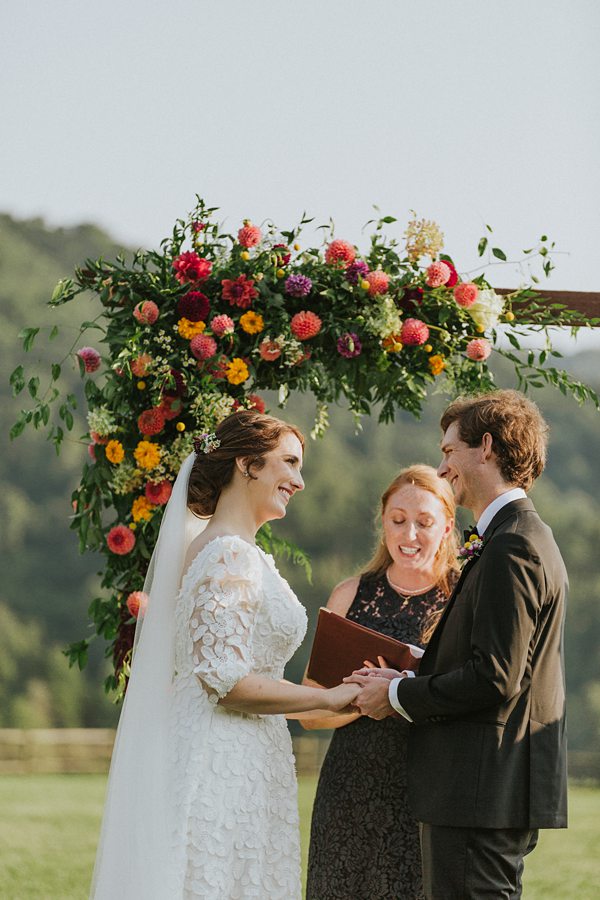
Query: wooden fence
{"type": "Point", "coordinates": [88, 750]}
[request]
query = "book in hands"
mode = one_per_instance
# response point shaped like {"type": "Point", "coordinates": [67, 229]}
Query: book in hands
{"type": "Point", "coordinates": [341, 646]}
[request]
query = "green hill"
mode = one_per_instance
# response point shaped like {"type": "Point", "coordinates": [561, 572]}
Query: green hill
{"type": "Point", "coordinates": [46, 586]}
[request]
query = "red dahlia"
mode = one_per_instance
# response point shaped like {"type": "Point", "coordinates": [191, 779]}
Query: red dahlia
{"type": "Point", "coordinates": [158, 492]}
{"type": "Point", "coordinates": [191, 268]}
{"type": "Point", "coordinates": [151, 421]}
{"type": "Point", "coordinates": [240, 292]}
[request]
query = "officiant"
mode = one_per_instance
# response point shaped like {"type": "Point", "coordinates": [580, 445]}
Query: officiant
{"type": "Point", "coordinates": [364, 839]}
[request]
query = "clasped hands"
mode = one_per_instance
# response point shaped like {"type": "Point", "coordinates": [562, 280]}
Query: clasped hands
{"type": "Point", "coordinates": [373, 700]}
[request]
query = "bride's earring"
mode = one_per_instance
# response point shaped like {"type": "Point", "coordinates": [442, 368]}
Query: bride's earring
{"type": "Point", "coordinates": [246, 473]}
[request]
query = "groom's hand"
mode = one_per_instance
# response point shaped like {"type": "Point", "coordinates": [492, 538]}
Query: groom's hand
{"type": "Point", "coordinates": [373, 699]}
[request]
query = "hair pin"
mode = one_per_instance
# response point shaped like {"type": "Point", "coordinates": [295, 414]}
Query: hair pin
{"type": "Point", "coordinates": [207, 442]}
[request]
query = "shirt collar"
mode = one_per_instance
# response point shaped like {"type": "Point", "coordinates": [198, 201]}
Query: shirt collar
{"type": "Point", "coordinates": [496, 505]}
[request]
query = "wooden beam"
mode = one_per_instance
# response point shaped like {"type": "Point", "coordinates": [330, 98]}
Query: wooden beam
{"type": "Point", "coordinates": [585, 302]}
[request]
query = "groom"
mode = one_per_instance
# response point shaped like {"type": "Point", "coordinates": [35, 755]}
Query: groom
{"type": "Point", "coordinates": [487, 750]}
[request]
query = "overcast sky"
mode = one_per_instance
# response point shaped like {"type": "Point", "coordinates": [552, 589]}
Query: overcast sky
{"type": "Point", "coordinates": [468, 112]}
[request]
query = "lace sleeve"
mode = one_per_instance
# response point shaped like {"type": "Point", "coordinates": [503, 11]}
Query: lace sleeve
{"type": "Point", "coordinates": [226, 599]}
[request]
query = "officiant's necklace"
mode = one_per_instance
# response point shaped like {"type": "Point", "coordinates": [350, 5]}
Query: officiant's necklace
{"type": "Point", "coordinates": [404, 592]}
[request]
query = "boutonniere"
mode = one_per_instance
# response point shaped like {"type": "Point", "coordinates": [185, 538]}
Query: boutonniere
{"type": "Point", "coordinates": [472, 547]}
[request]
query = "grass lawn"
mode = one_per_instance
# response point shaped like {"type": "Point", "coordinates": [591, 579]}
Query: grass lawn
{"type": "Point", "coordinates": [49, 827]}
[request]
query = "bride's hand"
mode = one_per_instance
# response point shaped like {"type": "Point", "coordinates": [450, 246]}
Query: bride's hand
{"type": "Point", "coordinates": [338, 698]}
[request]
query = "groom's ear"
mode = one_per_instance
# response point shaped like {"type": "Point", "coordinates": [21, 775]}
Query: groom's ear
{"type": "Point", "coordinates": [487, 446]}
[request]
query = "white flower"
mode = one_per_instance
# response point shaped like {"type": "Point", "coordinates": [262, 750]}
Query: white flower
{"type": "Point", "coordinates": [383, 318]}
{"type": "Point", "coordinates": [487, 309]}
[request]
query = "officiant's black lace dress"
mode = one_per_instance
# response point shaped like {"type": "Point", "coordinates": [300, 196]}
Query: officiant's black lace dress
{"type": "Point", "coordinates": [364, 841]}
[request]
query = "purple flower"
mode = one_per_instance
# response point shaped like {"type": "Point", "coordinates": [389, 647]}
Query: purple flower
{"type": "Point", "coordinates": [356, 271]}
{"type": "Point", "coordinates": [298, 285]}
{"type": "Point", "coordinates": [349, 345]}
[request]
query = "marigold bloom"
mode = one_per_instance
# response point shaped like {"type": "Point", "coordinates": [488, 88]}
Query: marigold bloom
{"type": "Point", "coordinates": [240, 292]}
{"type": "Point", "coordinates": [437, 364]}
{"type": "Point", "coordinates": [115, 452]}
{"type": "Point", "coordinates": [141, 509]}
{"type": "Point", "coordinates": [237, 371]}
{"type": "Point", "coordinates": [90, 358]}
{"type": "Point", "coordinates": [305, 325]}
{"type": "Point", "coordinates": [252, 323]}
{"type": "Point", "coordinates": [147, 455]}
{"type": "Point", "coordinates": [120, 540]}
{"type": "Point", "coordinates": [340, 253]}
{"type": "Point", "coordinates": [188, 329]}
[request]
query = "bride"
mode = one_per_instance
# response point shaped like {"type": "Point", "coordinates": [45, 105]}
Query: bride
{"type": "Point", "coordinates": [202, 799]}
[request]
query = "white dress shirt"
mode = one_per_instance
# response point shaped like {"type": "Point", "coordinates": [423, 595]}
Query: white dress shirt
{"type": "Point", "coordinates": [482, 523]}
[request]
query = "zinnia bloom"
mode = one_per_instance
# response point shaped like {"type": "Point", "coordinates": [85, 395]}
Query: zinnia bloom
{"type": "Point", "coordinates": [240, 292]}
{"type": "Point", "coordinates": [298, 285]}
{"type": "Point", "coordinates": [305, 325]}
{"type": "Point", "coordinates": [188, 329]}
{"type": "Point", "coordinates": [249, 235]}
{"type": "Point", "coordinates": [146, 312]}
{"type": "Point", "coordinates": [222, 325]}
{"type": "Point", "coordinates": [158, 492]}
{"type": "Point", "coordinates": [194, 306]}
{"type": "Point", "coordinates": [147, 455]}
{"type": "Point", "coordinates": [437, 364]}
{"type": "Point", "coordinates": [269, 350]}
{"type": "Point", "coordinates": [191, 268]}
{"type": "Point", "coordinates": [349, 345]}
{"type": "Point", "coordinates": [237, 371]}
{"type": "Point", "coordinates": [151, 421]}
{"type": "Point", "coordinates": [340, 253]}
{"type": "Point", "coordinates": [203, 346]}
{"type": "Point", "coordinates": [120, 540]}
{"type": "Point", "coordinates": [479, 349]}
{"type": "Point", "coordinates": [115, 452]}
{"type": "Point", "coordinates": [137, 602]}
{"type": "Point", "coordinates": [378, 282]}
{"type": "Point", "coordinates": [252, 323]}
{"type": "Point", "coordinates": [90, 358]}
{"type": "Point", "coordinates": [141, 509]}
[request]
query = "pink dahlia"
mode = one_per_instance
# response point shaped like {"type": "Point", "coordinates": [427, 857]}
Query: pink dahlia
{"type": "Point", "coordinates": [479, 349]}
{"type": "Point", "coordinates": [151, 421]}
{"type": "Point", "coordinates": [249, 235]}
{"type": "Point", "coordinates": [90, 358]}
{"type": "Point", "coordinates": [222, 325]}
{"type": "Point", "coordinates": [378, 282]}
{"type": "Point", "coordinates": [137, 602]}
{"type": "Point", "coordinates": [305, 325]}
{"type": "Point", "coordinates": [240, 292]}
{"type": "Point", "coordinates": [453, 274]}
{"type": "Point", "coordinates": [146, 312]}
{"type": "Point", "coordinates": [139, 365]}
{"type": "Point", "coordinates": [158, 492]}
{"type": "Point", "coordinates": [349, 345]}
{"type": "Point", "coordinates": [466, 293]}
{"type": "Point", "coordinates": [120, 540]}
{"type": "Point", "coordinates": [437, 274]}
{"type": "Point", "coordinates": [193, 306]}
{"type": "Point", "coordinates": [191, 268]}
{"type": "Point", "coordinates": [340, 253]}
{"type": "Point", "coordinates": [203, 346]}
{"type": "Point", "coordinates": [269, 351]}
{"type": "Point", "coordinates": [414, 332]}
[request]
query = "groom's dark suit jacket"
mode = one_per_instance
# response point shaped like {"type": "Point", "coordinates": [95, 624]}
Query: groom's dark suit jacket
{"type": "Point", "coordinates": [488, 745]}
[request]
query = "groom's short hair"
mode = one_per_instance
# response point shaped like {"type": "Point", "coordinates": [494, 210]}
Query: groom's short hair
{"type": "Point", "coordinates": [518, 429]}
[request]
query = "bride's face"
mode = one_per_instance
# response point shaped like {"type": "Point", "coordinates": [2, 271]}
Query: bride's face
{"type": "Point", "coordinates": [275, 484]}
{"type": "Point", "coordinates": [414, 525]}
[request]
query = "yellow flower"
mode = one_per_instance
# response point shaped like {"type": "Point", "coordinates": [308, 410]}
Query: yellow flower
{"type": "Point", "coordinates": [141, 385]}
{"type": "Point", "coordinates": [237, 371]}
{"type": "Point", "coordinates": [115, 452]}
{"type": "Point", "coordinates": [180, 426]}
{"type": "Point", "coordinates": [142, 509]}
{"type": "Point", "coordinates": [392, 343]}
{"type": "Point", "coordinates": [437, 364]}
{"type": "Point", "coordinates": [252, 322]}
{"type": "Point", "coordinates": [188, 329]}
{"type": "Point", "coordinates": [147, 455]}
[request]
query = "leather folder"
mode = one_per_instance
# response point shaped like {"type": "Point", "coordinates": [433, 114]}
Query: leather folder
{"type": "Point", "coordinates": [340, 646]}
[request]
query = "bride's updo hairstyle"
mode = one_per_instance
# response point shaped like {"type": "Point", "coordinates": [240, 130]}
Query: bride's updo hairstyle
{"type": "Point", "coordinates": [245, 433]}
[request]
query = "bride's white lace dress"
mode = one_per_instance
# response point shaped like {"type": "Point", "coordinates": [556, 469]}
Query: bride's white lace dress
{"type": "Point", "coordinates": [236, 829]}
